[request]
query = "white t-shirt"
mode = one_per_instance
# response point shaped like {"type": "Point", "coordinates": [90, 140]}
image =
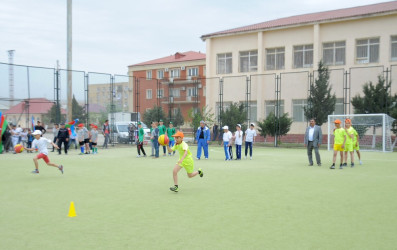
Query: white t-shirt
{"type": "Point", "coordinates": [239, 137]}
{"type": "Point", "coordinates": [250, 133]}
{"type": "Point", "coordinates": [227, 136]}
{"type": "Point", "coordinates": [41, 145]}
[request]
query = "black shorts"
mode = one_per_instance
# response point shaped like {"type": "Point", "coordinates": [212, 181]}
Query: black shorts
{"type": "Point", "coordinates": [81, 143]}
{"type": "Point", "coordinates": [86, 140]}
{"type": "Point", "coordinates": [93, 143]}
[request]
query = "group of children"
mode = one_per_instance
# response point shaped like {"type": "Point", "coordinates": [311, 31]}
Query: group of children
{"type": "Point", "coordinates": [157, 130]}
{"type": "Point", "coordinates": [228, 138]}
{"type": "Point", "coordinates": [345, 142]}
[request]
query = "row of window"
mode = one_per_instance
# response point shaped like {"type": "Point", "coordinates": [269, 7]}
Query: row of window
{"type": "Point", "coordinates": [175, 92]}
{"type": "Point", "coordinates": [334, 53]}
{"type": "Point", "coordinates": [173, 73]}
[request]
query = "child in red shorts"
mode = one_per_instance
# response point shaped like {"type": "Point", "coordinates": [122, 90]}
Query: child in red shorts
{"type": "Point", "coordinates": [40, 143]}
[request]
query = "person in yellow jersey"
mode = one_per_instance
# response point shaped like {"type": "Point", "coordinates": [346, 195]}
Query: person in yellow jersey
{"type": "Point", "coordinates": [349, 147]}
{"type": "Point", "coordinates": [356, 146]}
{"type": "Point", "coordinates": [339, 143]}
{"type": "Point", "coordinates": [185, 160]}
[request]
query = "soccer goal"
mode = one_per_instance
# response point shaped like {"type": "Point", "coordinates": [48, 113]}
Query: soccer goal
{"type": "Point", "coordinates": [374, 130]}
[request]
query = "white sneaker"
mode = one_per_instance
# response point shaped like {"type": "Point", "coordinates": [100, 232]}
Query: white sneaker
{"type": "Point", "coordinates": [251, 158]}
{"type": "Point", "coordinates": [245, 157]}
{"type": "Point", "coordinates": [138, 156]}
{"type": "Point", "coordinates": [361, 163]}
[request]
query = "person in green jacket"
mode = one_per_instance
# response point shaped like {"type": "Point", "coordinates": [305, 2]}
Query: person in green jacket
{"type": "Point", "coordinates": [162, 130]}
{"type": "Point", "coordinates": [141, 134]}
{"type": "Point", "coordinates": [170, 132]}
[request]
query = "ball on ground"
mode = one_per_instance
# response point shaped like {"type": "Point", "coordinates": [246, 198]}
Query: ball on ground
{"type": "Point", "coordinates": [163, 140]}
{"type": "Point", "coordinates": [18, 148]}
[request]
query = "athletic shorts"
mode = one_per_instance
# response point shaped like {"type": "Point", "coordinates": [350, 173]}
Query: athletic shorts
{"type": "Point", "coordinates": [81, 143]}
{"type": "Point", "coordinates": [188, 165]}
{"type": "Point", "coordinates": [348, 148]}
{"type": "Point", "coordinates": [356, 147]}
{"type": "Point", "coordinates": [171, 144]}
{"type": "Point", "coordinates": [87, 140]}
{"type": "Point", "coordinates": [338, 147]}
{"type": "Point", "coordinates": [44, 157]}
{"type": "Point", "coordinates": [93, 143]}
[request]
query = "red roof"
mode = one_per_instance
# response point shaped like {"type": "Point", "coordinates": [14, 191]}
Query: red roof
{"type": "Point", "coordinates": [325, 16]}
{"type": "Point", "coordinates": [36, 106]}
{"type": "Point", "coordinates": [96, 108]}
{"type": "Point", "coordinates": [178, 57]}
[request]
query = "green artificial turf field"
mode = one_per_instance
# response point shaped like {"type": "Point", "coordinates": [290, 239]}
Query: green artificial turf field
{"type": "Point", "coordinates": [274, 201]}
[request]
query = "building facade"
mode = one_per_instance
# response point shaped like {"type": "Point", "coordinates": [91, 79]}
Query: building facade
{"type": "Point", "coordinates": [275, 62]}
{"type": "Point", "coordinates": [103, 94]}
{"type": "Point", "coordinates": [175, 82]}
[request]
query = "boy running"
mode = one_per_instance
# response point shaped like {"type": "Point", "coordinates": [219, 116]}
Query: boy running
{"type": "Point", "coordinates": [185, 160]}
{"type": "Point", "coordinates": [339, 143]}
{"type": "Point", "coordinates": [41, 144]}
{"type": "Point", "coordinates": [141, 134]}
{"type": "Point", "coordinates": [170, 132]}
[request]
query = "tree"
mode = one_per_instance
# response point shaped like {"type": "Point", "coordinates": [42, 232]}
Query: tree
{"type": "Point", "coordinates": [154, 115]}
{"type": "Point", "coordinates": [178, 119]}
{"type": "Point", "coordinates": [235, 114]}
{"type": "Point", "coordinates": [271, 124]}
{"type": "Point", "coordinates": [53, 113]}
{"type": "Point", "coordinates": [377, 98]}
{"type": "Point", "coordinates": [321, 102]}
{"type": "Point", "coordinates": [78, 112]}
{"type": "Point", "coordinates": [200, 115]}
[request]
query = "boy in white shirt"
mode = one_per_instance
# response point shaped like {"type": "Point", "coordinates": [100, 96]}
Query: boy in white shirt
{"type": "Point", "coordinates": [238, 141]}
{"type": "Point", "coordinates": [227, 137]}
{"type": "Point", "coordinates": [40, 143]}
{"type": "Point", "coordinates": [249, 139]}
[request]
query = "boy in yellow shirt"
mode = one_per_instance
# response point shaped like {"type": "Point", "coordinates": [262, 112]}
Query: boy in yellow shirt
{"type": "Point", "coordinates": [339, 143]}
{"type": "Point", "coordinates": [185, 160]}
{"type": "Point", "coordinates": [350, 132]}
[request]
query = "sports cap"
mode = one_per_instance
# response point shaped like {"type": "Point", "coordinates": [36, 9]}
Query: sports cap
{"type": "Point", "coordinates": [178, 134]}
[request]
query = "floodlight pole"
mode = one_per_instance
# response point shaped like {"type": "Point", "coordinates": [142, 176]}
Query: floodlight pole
{"type": "Point", "coordinates": [69, 59]}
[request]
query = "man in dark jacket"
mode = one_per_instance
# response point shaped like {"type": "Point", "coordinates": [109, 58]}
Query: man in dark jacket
{"type": "Point", "coordinates": [63, 137]}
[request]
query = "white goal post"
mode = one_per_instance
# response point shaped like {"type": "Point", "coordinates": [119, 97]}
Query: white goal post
{"type": "Point", "coordinates": [374, 131]}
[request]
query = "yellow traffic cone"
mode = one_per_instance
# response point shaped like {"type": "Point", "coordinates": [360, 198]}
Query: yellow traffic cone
{"type": "Point", "coordinates": [72, 211]}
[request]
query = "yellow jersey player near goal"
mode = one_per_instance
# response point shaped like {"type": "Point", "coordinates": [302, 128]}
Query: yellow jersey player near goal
{"type": "Point", "coordinates": [185, 160]}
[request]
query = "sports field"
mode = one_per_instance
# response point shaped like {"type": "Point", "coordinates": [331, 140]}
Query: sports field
{"type": "Point", "coordinates": [274, 201]}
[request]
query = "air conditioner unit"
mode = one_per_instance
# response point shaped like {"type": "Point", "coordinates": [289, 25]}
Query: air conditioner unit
{"type": "Point", "coordinates": [171, 99]}
{"type": "Point", "coordinates": [166, 69]}
{"type": "Point", "coordinates": [188, 98]}
{"type": "Point", "coordinates": [183, 88]}
{"type": "Point", "coordinates": [189, 77]}
{"type": "Point", "coordinates": [200, 86]}
{"type": "Point", "coordinates": [171, 79]}
{"type": "Point", "coordinates": [183, 68]}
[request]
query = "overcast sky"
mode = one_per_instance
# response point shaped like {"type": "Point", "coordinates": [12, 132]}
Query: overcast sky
{"type": "Point", "coordinates": [109, 35]}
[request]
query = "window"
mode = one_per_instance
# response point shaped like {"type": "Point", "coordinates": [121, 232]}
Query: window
{"type": "Point", "coordinates": [204, 89]}
{"type": "Point", "coordinates": [160, 74]}
{"type": "Point", "coordinates": [175, 93]}
{"type": "Point", "coordinates": [204, 71]}
{"type": "Point", "coordinates": [249, 61]}
{"type": "Point", "coordinates": [252, 110]}
{"type": "Point", "coordinates": [192, 72]}
{"type": "Point", "coordinates": [192, 92]}
{"type": "Point", "coordinates": [275, 58]}
{"type": "Point", "coordinates": [339, 107]}
{"type": "Point", "coordinates": [160, 93]}
{"type": "Point", "coordinates": [270, 106]}
{"type": "Point", "coordinates": [224, 65]}
{"type": "Point", "coordinates": [394, 48]}
{"type": "Point", "coordinates": [297, 110]}
{"type": "Point", "coordinates": [334, 53]}
{"type": "Point", "coordinates": [149, 74]}
{"type": "Point", "coordinates": [367, 50]}
{"type": "Point", "coordinates": [175, 73]}
{"type": "Point", "coordinates": [303, 56]}
{"type": "Point", "coordinates": [148, 94]}
{"type": "Point", "coordinates": [175, 111]}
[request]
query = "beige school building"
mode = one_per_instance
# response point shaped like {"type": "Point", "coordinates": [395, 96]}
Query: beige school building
{"type": "Point", "coordinates": [277, 60]}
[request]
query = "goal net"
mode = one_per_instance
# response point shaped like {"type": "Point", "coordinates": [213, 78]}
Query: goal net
{"type": "Point", "coordinates": [374, 130]}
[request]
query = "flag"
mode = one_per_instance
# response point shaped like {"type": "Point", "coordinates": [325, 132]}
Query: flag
{"type": "Point", "coordinates": [33, 123]}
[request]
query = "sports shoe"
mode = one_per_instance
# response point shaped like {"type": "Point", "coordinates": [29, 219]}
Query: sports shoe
{"type": "Point", "coordinates": [341, 167]}
{"type": "Point", "coordinates": [81, 154]}
{"type": "Point", "coordinates": [319, 164]}
{"type": "Point", "coordinates": [251, 158]}
{"type": "Point", "coordinates": [60, 168]}
{"type": "Point", "coordinates": [332, 167]}
{"type": "Point", "coordinates": [352, 165]}
{"type": "Point", "coordinates": [344, 164]}
{"type": "Point", "coordinates": [36, 171]}
{"type": "Point", "coordinates": [197, 158]}
{"type": "Point", "coordinates": [201, 173]}
{"type": "Point", "coordinates": [138, 156]}
{"type": "Point", "coordinates": [245, 157]}
{"type": "Point", "coordinates": [361, 163]}
{"type": "Point", "coordinates": [310, 165]}
{"type": "Point", "coordinates": [206, 158]}
{"type": "Point", "coordinates": [174, 189]}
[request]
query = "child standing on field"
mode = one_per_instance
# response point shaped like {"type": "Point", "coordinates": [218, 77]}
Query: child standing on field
{"type": "Point", "coordinates": [162, 130]}
{"type": "Point", "coordinates": [339, 143]}
{"type": "Point", "coordinates": [249, 139]}
{"type": "Point", "coordinates": [41, 144]}
{"type": "Point", "coordinates": [227, 142]}
{"type": "Point", "coordinates": [155, 138]}
{"type": "Point", "coordinates": [84, 138]}
{"type": "Point", "coordinates": [349, 148]}
{"type": "Point", "coordinates": [238, 141]}
{"type": "Point", "coordinates": [94, 138]}
{"type": "Point", "coordinates": [170, 132]}
{"type": "Point", "coordinates": [185, 160]}
{"type": "Point", "coordinates": [141, 134]}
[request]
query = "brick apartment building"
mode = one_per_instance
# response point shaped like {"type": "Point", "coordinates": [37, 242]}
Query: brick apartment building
{"type": "Point", "coordinates": [173, 82]}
